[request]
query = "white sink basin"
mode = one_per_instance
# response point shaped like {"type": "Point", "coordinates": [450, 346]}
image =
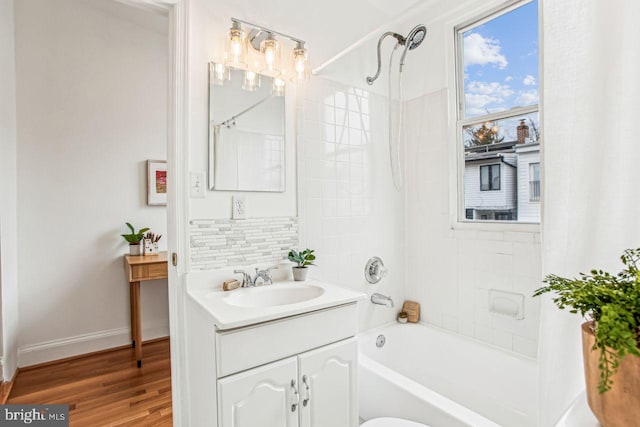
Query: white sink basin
{"type": "Point", "coordinates": [273, 295]}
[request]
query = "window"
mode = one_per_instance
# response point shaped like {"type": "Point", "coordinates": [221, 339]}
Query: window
{"type": "Point", "coordinates": [498, 114]}
{"type": "Point", "coordinates": [489, 177]}
{"type": "Point", "coordinates": [534, 182]}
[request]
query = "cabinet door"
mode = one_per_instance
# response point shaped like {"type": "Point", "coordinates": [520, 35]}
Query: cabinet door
{"type": "Point", "coordinates": [262, 396]}
{"type": "Point", "coordinates": [328, 386]}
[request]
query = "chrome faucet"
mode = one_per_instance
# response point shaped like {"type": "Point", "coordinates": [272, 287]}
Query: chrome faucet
{"type": "Point", "coordinates": [382, 300]}
{"type": "Point", "coordinates": [247, 280]}
{"type": "Point", "coordinates": [262, 277]}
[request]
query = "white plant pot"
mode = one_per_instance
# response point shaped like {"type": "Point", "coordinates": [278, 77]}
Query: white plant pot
{"type": "Point", "coordinates": [300, 273]}
{"type": "Point", "coordinates": [134, 249]}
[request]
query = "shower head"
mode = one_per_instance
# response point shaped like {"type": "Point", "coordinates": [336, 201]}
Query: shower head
{"type": "Point", "coordinates": [416, 36]}
{"type": "Point", "coordinates": [413, 40]}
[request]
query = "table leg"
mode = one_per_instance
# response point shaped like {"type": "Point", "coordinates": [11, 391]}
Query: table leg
{"type": "Point", "coordinates": [138, 310]}
{"type": "Point", "coordinates": [132, 313]}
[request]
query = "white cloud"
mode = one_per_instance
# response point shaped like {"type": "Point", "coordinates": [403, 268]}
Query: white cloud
{"type": "Point", "coordinates": [493, 88]}
{"type": "Point", "coordinates": [529, 80]}
{"type": "Point", "coordinates": [508, 79]}
{"type": "Point", "coordinates": [481, 51]}
{"type": "Point", "coordinates": [528, 97]}
{"type": "Point", "coordinates": [483, 97]}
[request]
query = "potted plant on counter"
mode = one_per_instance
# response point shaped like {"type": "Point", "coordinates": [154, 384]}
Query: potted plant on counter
{"type": "Point", "coordinates": [134, 239]}
{"type": "Point", "coordinates": [303, 259]}
{"type": "Point", "coordinates": [610, 337]}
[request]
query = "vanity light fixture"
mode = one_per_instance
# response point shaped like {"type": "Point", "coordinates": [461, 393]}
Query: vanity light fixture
{"type": "Point", "coordinates": [236, 47]}
{"type": "Point", "coordinates": [258, 51]}
{"type": "Point", "coordinates": [301, 69]}
{"type": "Point", "coordinates": [270, 50]}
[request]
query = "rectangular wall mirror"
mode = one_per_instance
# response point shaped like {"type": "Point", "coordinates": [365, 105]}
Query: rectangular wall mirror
{"type": "Point", "coordinates": [246, 133]}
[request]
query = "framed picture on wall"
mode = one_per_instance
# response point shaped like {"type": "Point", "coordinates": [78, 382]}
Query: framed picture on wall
{"type": "Point", "coordinates": [156, 182]}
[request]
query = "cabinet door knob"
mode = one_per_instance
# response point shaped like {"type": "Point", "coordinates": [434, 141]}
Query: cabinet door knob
{"type": "Point", "coordinates": [305, 381]}
{"type": "Point", "coordinates": [295, 399]}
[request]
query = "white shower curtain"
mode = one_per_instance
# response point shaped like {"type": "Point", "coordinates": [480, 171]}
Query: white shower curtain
{"type": "Point", "coordinates": [591, 207]}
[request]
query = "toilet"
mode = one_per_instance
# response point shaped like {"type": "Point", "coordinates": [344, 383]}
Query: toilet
{"type": "Point", "coordinates": [391, 422]}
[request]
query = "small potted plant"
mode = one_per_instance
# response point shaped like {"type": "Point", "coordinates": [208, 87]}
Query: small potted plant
{"type": "Point", "coordinates": [610, 337]}
{"type": "Point", "coordinates": [303, 259]}
{"type": "Point", "coordinates": [134, 239]}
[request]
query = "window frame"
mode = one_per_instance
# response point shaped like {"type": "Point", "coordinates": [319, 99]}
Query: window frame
{"type": "Point", "coordinates": [474, 19]}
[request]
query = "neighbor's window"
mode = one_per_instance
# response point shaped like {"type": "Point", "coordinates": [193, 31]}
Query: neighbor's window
{"type": "Point", "coordinates": [489, 177]}
{"type": "Point", "coordinates": [498, 120]}
{"type": "Point", "coordinates": [534, 182]}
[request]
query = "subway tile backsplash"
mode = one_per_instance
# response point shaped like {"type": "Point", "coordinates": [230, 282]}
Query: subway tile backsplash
{"type": "Point", "coordinates": [218, 243]}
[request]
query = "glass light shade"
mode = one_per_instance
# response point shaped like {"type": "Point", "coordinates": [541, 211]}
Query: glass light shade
{"type": "Point", "coordinates": [278, 87]}
{"type": "Point", "coordinates": [236, 48]}
{"type": "Point", "coordinates": [270, 50]}
{"type": "Point", "coordinates": [219, 74]}
{"type": "Point", "coordinates": [251, 81]}
{"type": "Point", "coordinates": [300, 66]}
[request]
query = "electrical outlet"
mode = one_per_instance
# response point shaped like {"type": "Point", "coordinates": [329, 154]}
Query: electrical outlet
{"type": "Point", "coordinates": [239, 207]}
{"type": "Point", "coordinates": [197, 185]}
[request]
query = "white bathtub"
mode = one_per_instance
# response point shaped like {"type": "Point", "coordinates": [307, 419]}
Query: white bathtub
{"type": "Point", "coordinates": [431, 376]}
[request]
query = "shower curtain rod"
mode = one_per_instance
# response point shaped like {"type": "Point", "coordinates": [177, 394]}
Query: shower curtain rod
{"type": "Point", "coordinates": [246, 110]}
{"type": "Point", "coordinates": [381, 28]}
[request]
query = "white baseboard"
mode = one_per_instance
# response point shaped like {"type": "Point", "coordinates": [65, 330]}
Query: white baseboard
{"type": "Point", "coordinates": [81, 344]}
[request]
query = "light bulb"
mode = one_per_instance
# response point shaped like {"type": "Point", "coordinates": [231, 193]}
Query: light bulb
{"type": "Point", "coordinates": [300, 63]}
{"type": "Point", "coordinates": [278, 87]}
{"type": "Point", "coordinates": [236, 51]}
{"type": "Point", "coordinates": [219, 73]}
{"type": "Point", "coordinates": [251, 81]}
{"type": "Point", "coordinates": [270, 50]}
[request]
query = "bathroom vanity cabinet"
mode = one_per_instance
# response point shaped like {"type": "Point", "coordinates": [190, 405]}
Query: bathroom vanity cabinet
{"type": "Point", "coordinates": [313, 389]}
{"type": "Point", "coordinates": [291, 365]}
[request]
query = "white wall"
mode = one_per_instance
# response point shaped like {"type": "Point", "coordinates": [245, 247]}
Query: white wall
{"type": "Point", "coordinates": [349, 208]}
{"type": "Point", "coordinates": [208, 21]}
{"type": "Point", "coordinates": [8, 194]}
{"type": "Point", "coordinates": [92, 108]}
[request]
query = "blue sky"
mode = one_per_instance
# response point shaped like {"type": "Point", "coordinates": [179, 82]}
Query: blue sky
{"type": "Point", "coordinates": [501, 62]}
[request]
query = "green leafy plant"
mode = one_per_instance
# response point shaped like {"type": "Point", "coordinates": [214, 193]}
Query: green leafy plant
{"type": "Point", "coordinates": [612, 302]}
{"type": "Point", "coordinates": [134, 238]}
{"type": "Point", "coordinates": [302, 258]}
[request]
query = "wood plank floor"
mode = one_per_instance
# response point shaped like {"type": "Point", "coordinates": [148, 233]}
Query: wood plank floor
{"type": "Point", "coordinates": [104, 389]}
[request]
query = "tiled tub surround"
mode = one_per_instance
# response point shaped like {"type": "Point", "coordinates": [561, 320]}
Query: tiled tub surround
{"type": "Point", "coordinates": [217, 243]}
{"type": "Point", "coordinates": [348, 208]}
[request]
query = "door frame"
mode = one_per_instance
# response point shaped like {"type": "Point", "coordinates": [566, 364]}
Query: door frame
{"type": "Point", "coordinates": [177, 189]}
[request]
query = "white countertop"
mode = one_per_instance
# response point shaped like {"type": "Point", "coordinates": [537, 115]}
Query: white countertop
{"type": "Point", "coordinates": [227, 316]}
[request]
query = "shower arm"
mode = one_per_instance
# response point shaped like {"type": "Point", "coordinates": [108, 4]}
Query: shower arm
{"type": "Point", "coordinates": [401, 41]}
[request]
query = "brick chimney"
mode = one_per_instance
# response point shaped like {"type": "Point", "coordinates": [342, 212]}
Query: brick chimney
{"type": "Point", "coordinates": [523, 132]}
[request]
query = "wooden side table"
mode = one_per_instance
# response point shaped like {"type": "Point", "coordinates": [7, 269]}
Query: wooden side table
{"type": "Point", "coordinates": [141, 269]}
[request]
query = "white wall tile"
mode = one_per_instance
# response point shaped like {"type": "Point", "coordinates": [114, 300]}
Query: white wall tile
{"type": "Point", "coordinates": [461, 264]}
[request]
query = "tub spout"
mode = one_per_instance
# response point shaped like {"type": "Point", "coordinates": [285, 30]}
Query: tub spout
{"type": "Point", "coordinates": [381, 300]}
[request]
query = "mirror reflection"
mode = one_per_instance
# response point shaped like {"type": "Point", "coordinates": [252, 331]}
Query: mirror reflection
{"type": "Point", "coordinates": [247, 132]}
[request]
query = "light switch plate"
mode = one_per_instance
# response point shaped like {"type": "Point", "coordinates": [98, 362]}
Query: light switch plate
{"type": "Point", "coordinates": [197, 185]}
{"type": "Point", "coordinates": [239, 207]}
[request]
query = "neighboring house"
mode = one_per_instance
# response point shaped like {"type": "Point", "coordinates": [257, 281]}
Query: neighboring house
{"type": "Point", "coordinates": [502, 182]}
{"type": "Point", "coordinates": [490, 181]}
{"type": "Point", "coordinates": [528, 182]}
